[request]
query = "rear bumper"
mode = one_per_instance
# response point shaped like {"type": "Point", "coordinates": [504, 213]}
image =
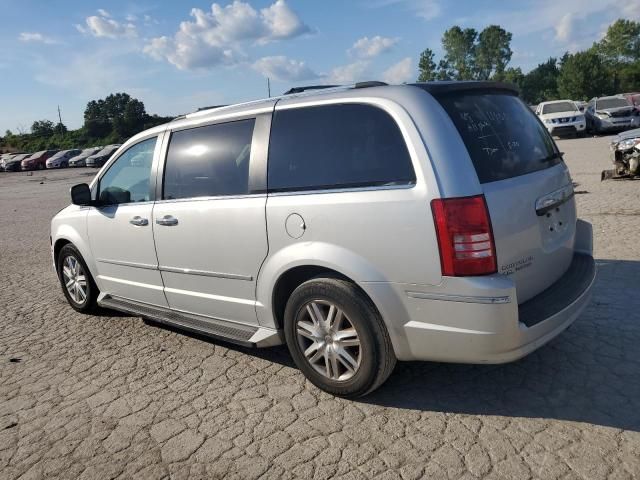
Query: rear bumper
{"type": "Point", "coordinates": [483, 322]}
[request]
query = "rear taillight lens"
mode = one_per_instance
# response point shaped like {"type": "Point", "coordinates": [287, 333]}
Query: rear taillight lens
{"type": "Point", "coordinates": [464, 235]}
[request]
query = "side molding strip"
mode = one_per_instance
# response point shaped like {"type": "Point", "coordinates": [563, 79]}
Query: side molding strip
{"type": "Point", "coordinates": [458, 298]}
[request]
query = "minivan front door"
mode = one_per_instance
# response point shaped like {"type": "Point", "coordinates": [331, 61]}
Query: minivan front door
{"type": "Point", "coordinates": [210, 230]}
{"type": "Point", "coordinates": [120, 230]}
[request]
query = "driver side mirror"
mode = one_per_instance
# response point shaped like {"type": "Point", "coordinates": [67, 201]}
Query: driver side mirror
{"type": "Point", "coordinates": [81, 195]}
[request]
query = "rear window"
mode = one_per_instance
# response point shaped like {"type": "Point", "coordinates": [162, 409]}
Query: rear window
{"type": "Point", "coordinates": [503, 136]}
{"type": "Point", "coordinates": [336, 146]}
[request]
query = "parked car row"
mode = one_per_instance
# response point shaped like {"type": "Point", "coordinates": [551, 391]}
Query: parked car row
{"type": "Point", "coordinates": [75, 157]}
{"type": "Point", "coordinates": [598, 115]}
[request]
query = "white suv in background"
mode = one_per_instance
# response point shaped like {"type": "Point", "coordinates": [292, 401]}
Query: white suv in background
{"type": "Point", "coordinates": [359, 225]}
{"type": "Point", "coordinates": [562, 117]}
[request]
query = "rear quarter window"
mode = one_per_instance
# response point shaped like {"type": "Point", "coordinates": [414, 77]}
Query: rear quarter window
{"type": "Point", "coordinates": [503, 136]}
{"type": "Point", "coordinates": [336, 146]}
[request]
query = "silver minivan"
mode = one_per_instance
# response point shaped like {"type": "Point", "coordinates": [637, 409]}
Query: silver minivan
{"type": "Point", "coordinates": [359, 225]}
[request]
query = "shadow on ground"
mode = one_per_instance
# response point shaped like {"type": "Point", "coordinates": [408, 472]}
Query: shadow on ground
{"type": "Point", "coordinates": [590, 373]}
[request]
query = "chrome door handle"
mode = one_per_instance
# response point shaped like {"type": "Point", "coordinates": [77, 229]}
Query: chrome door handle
{"type": "Point", "coordinates": [139, 221]}
{"type": "Point", "coordinates": [167, 221]}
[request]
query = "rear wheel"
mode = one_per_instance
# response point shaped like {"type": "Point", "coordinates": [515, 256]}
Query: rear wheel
{"type": "Point", "coordinates": [76, 280]}
{"type": "Point", "coordinates": [337, 338]}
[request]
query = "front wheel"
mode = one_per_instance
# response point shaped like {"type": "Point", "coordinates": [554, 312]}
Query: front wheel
{"type": "Point", "coordinates": [76, 280]}
{"type": "Point", "coordinates": [337, 337]}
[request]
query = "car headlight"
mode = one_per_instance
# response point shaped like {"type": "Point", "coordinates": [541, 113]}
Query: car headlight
{"type": "Point", "coordinates": [627, 144]}
{"type": "Point", "coordinates": [602, 116]}
{"type": "Point", "coordinates": [548, 121]}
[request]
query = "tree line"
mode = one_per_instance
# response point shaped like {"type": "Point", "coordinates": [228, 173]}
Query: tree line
{"type": "Point", "coordinates": [609, 66]}
{"type": "Point", "coordinates": [112, 119]}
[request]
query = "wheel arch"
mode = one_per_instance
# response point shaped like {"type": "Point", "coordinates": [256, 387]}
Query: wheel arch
{"type": "Point", "coordinates": [68, 235]}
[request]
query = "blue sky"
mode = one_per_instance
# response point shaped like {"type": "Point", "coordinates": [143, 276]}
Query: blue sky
{"type": "Point", "coordinates": [177, 56]}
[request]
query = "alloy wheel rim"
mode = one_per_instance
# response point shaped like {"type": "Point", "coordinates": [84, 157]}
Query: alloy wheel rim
{"type": "Point", "coordinates": [328, 340]}
{"type": "Point", "coordinates": [75, 280]}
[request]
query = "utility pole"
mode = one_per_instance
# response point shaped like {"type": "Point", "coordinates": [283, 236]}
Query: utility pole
{"type": "Point", "coordinates": [268, 87]}
{"type": "Point", "coordinates": [59, 116]}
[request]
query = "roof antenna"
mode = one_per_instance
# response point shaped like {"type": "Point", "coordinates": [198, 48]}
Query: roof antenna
{"type": "Point", "coordinates": [268, 87]}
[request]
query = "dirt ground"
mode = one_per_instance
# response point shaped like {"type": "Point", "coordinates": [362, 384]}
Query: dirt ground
{"type": "Point", "coordinates": [113, 397]}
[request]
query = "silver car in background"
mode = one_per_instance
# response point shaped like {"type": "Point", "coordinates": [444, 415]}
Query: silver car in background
{"type": "Point", "coordinates": [359, 225]}
{"type": "Point", "coordinates": [611, 113]}
{"type": "Point", "coordinates": [80, 160]}
{"type": "Point", "coordinates": [61, 159]}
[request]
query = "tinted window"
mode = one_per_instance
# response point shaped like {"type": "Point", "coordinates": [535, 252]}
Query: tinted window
{"type": "Point", "coordinates": [336, 146]}
{"type": "Point", "coordinates": [503, 136]}
{"type": "Point", "coordinates": [127, 180]}
{"type": "Point", "coordinates": [611, 103]}
{"type": "Point", "coordinates": [209, 161]}
{"type": "Point", "coordinates": [559, 107]}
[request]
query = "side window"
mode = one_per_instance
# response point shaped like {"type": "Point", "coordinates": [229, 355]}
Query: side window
{"type": "Point", "coordinates": [127, 180]}
{"type": "Point", "coordinates": [333, 146]}
{"type": "Point", "coordinates": [209, 161]}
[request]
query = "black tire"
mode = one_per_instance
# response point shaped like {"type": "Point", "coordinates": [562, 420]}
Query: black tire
{"type": "Point", "coordinates": [376, 355]}
{"type": "Point", "coordinates": [89, 304]}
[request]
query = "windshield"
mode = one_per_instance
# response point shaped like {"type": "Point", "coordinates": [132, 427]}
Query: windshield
{"type": "Point", "coordinates": [106, 150]}
{"type": "Point", "coordinates": [611, 103]}
{"type": "Point", "coordinates": [559, 107]}
{"type": "Point", "coordinates": [59, 155]}
{"type": "Point", "coordinates": [503, 136]}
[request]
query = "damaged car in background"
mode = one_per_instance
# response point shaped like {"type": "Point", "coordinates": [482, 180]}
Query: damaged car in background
{"type": "Point", "coordinates": [611, 113]}
{"type": "Point", "coordinates": [625, 155]}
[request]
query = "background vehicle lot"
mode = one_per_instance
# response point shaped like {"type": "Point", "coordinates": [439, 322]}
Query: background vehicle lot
{"type": "Point", "coordinates": [108, 396]}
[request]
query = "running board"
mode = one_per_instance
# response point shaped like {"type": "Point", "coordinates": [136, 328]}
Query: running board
{"type": "Point", "coordinates": [247, 335]}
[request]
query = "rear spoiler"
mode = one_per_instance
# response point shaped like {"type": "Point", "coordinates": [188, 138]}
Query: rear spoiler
{"type": "Point", "coordinates": [444, 87]}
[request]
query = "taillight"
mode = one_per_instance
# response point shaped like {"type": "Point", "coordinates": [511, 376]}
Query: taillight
{"type": "Point", "coordinates": [464, 235]}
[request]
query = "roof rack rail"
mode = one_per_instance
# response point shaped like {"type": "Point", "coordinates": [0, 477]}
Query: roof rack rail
{"type": "Point", "coordinates": [209, 108]}
{"type": "Point", "coordinates": [371, 83]}
{"type": "Point", "coordinates": [308, 87]}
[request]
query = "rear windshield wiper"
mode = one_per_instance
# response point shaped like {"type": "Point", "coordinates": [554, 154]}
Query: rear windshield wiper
{"type": "Point", "coordinates": [553, 156]}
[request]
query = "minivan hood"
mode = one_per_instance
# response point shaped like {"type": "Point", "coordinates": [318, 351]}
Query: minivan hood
{"type": "Point", "coordinates": [615, 110]}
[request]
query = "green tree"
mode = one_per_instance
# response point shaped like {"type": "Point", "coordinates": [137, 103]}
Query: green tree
{"type": "Point", "coordinates": [42, 128]}
{"type": "Point", "coordinates": [427, 66]}
{"type": "Point", "coordinates": [492, 53]}
{"type": "Point", "coordinates": [541, 83]}
{"type": "Point", "coordinates": [511, 75]}
{"type": "Point", "coordinates": [583, 75]}
{"type": "Point", "coordinates": [60, 128]}
{"type": "Point", "coordinates": [621, 44]}
{"type": "Point", "coordinates": [620, 52]}
{"type": "Point", "coordinates": [459, 52]}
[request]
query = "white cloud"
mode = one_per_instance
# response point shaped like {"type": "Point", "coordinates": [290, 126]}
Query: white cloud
{"type": "Point", "coordinates": [565, 27]}
{"type": "Point", "coordinates": [284, 69]}
{"type": "Point", "coordinates": [401, 72]}
{"type": "Point", "coordinates": [426, 9]}
{"type": "Point", "coordinates": [349, 73]}
{"type": "Point", "coordinates": [217, 36]}
{"type": "Point", "coordinates": [367, 47]}
{"type": "Point", "coordinates": [103, 25]}
{"type": "Point", "coordinates": [36, 37]}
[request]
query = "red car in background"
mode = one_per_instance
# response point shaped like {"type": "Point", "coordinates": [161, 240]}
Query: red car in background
{"type": "Point", "coordinates": [38, 160]}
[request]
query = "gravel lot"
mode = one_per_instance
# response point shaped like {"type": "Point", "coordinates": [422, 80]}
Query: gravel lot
{"type": "Point", "coordinates": [113, 397]}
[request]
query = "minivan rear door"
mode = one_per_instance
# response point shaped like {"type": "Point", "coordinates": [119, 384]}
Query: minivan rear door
{"type": "Point", "coordinates": [527, 186]}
